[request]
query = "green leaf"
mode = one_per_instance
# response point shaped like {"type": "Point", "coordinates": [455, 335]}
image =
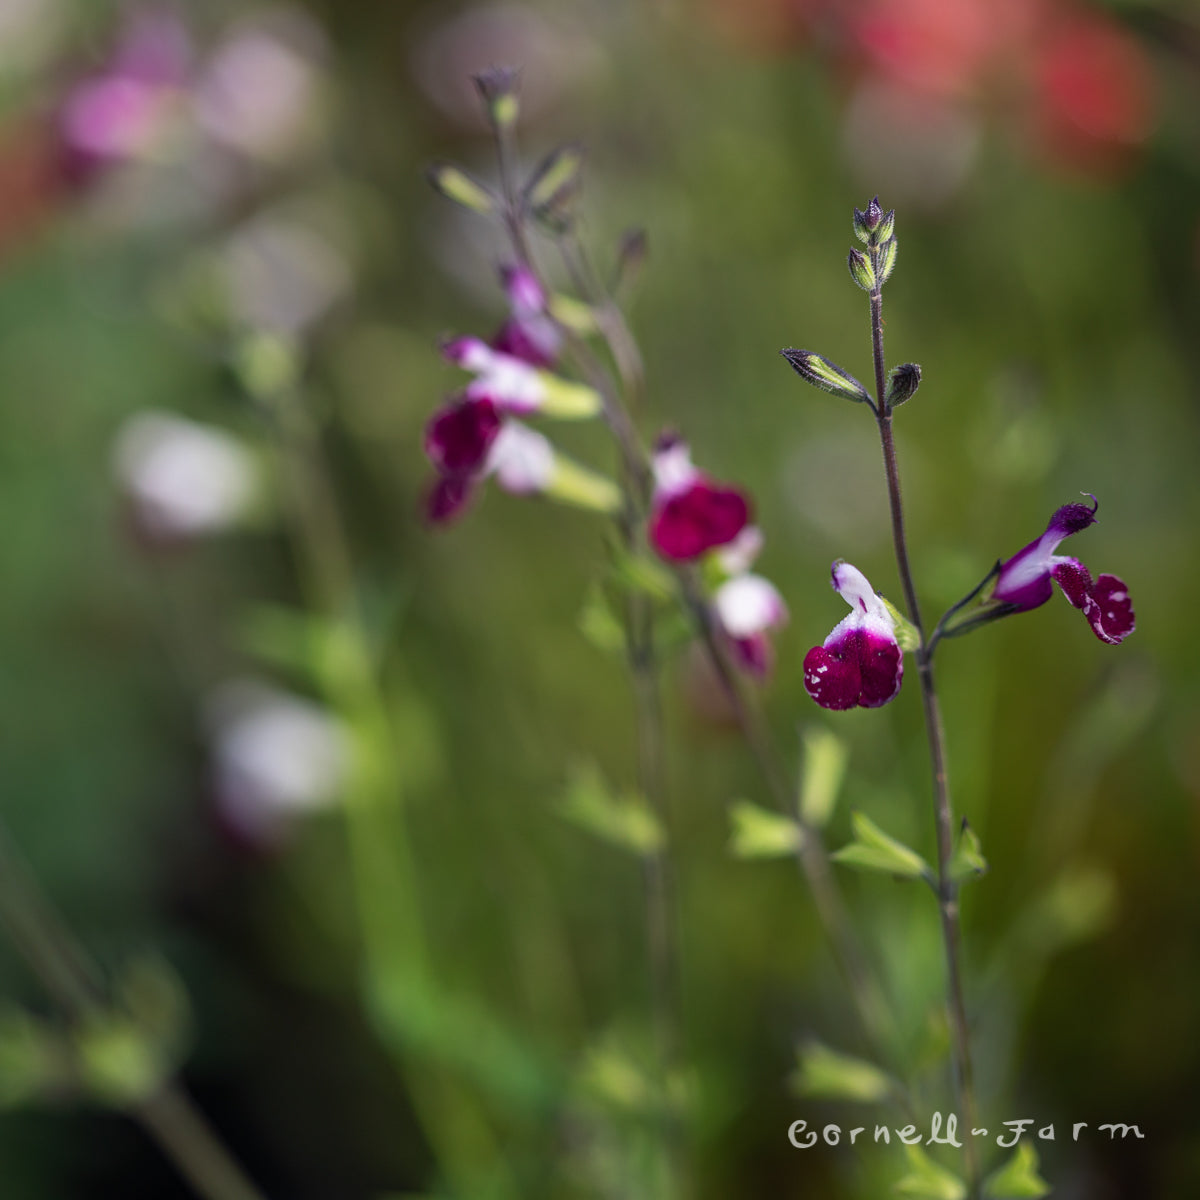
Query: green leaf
{"type": "Point", "coordinates": [825, 758]}
{"type": "Point", "coordinates": [599, 624]}
{"type": "Point", "coordinates": [625, 821]}
{"type": "Point", "coordinates": [928, 1179]}
{"type": "Point", "coordinates": [874, 850]}
{"type": "Point", "coordinates": [826, 375]}
{"type": "Point", "coordinates": [1018, 1177]}
{"type": "Point", "coordinates": [636, 573]}
{"type": "Point", "coordinates": [968, 861]}
{"type": "Point", "coordinates": [758, 833]}
{"type": "Point", "coordinates": [827, 1075]}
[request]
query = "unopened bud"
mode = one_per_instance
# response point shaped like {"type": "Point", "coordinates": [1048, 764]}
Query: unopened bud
{"type": "Point", "coordinates": [886, 227]}
{"type": "Point", "coordinates": [455, 184]}
{"type": "Point", "coordinates": [498, 87]}
{"type": "Point", "coordinates": [631, 255]}
{"type": "Point", "coordinates": [861, 271]}
{"type": "Point", "coordinates": [887, 260]}
{"type": "Point", "coordinates": [874, 214]}
{"type": "Point", "coordinates": [554, 185]}
{"type": "Point", "coordinates": [826, 375]}
{"type": "Point", "coordinates": [902, 384]}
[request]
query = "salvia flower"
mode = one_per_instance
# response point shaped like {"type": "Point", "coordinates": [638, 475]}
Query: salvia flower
{"type": "Point", "coordinates": [860, 662]}
{"type": "Point", "coordinates": [689, 513]}
{"type": "Point", "coordinates": [747, 606]}
{"type": "Point", "coordinates": [530, 333]}
{"type": "Point", "coordinates": [1024, 581]}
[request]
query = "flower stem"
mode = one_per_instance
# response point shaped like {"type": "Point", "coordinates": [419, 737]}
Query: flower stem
{"type": "Point", "coordinates": [72, 981]}
{"type": "Point", "coordinates": [947, 889]}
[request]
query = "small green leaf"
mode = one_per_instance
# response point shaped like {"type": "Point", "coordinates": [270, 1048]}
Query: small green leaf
{"type": "Point", "coordinates": [928, 1179]}
{"type": "Point", "coordinates": [1018, 1178]}
{"type": "Point", "coordinates": [455, 184]}
{"type": "Point", "coordinates": [825, 758]}
{"type": "Point", "coordinates": [968, 861]}
{"type": "Point", "coordinates": [599, 624]}
{"type": "Point", "coordinates": [625, 821]}
{"type": "Point", "coordinates": [874, 850]}
{"type": "Point", "coordinates": [828, 376]}
{"type": "Point", "coordinates": [758, 833]}
{"type": "Point", "coordinates": [639, 574]}
{"type": "Point", "coordinates": [825, 1074]}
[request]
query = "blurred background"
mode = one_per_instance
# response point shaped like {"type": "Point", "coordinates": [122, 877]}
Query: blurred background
{"type": "Point", "coordinates": [223, 279]}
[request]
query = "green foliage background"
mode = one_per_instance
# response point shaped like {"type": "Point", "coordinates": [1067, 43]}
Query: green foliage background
{"type": "Point", "coordinates": [1055, 319]}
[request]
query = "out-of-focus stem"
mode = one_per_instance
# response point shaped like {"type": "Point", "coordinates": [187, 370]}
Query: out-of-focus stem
{"type": "Point", "coordinates": [393, 934]}
{"type": "Point", "coordinates": [72, 981]}
{"type": "Point", "coordinates": [947, 889]}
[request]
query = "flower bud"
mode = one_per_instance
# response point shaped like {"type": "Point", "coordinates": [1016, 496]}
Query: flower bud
{"type": "Point", "coordinates": [455, 184]}
{"type": "Point", "coordinates": [826, 375]}
{"type": "Point", "coordinates": [887, 260]}
{"type": "Point", "coordinates": [498, 87]}
{"type": "Point", "coordinates": [556, 180]}
{"type": "Point", "coordinates": [861, 270]}
{"type": "Point", "coordinates": [902, 384]}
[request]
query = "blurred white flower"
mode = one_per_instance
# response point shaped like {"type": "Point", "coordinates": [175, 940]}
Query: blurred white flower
{"type": "Point", "coordinates": [259, 93]}
{"type": "Point", "coordinates": [275, 756]}
{"type": "Point", "coordinates": [183, 478]}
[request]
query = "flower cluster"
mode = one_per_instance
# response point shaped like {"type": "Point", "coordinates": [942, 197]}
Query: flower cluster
{"type": "Point", "coordinates": [477, 433]}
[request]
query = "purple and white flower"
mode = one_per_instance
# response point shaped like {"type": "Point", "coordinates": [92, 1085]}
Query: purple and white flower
{"type": "Point", "coordinates": [1024, 581]}
{"type": "Point", "coordinates": [860, 662]}
{"type": "Point", "coordinates": [689, 513]}
{"type": "Point", "coordinates": [748, 606]}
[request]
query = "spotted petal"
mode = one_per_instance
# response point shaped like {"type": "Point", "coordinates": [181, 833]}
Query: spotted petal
{"type": "Point", "coordinates": [1105, 603]}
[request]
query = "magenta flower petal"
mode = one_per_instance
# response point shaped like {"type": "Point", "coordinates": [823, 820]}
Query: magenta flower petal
{"type": "Point", "coordinates": [696, 519]}
{"type": "Point", "coordinates": [1105, 603]}
{"type": "Point", "coordinates": [859, 668]}
{"type": "Point", "coordinates": [459, 436]}
{"type": "Point", "coordinates": [448, 497]}
{"type": "Point", "coordinates": [754, 654]}
{"type": "Point", "coordinates": [534, 340]}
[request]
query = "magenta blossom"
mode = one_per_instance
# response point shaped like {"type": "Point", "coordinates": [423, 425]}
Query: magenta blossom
{"type": "Point", "coordinates": [860, 662]}
{"type": "Point", "coordinates": [747, 606]}
{"type": "Point", "coordinates": [1023, 581]}
{"type": "Point", "coordinates": [474, 443]}
{"type": "Point", "coordinates": [689, 514]}
{"type": "Point", "coordinates": [530, 333]}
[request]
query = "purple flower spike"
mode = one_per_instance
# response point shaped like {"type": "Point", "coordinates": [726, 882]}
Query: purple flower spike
{"type": "Point", "coordinates": [1024, 581]}
{"type": "Point", "coordinates": [689, 513]}
{"type": "Point", "coordinates": [459, 436]}
{"type": "Point", "coordinates": [860, 662]}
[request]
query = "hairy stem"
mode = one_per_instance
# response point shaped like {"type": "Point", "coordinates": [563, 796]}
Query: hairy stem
{"type": "Point", "coordinates": [73, 982]}
{"type": "Point", "coordinates": [947, 889]}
